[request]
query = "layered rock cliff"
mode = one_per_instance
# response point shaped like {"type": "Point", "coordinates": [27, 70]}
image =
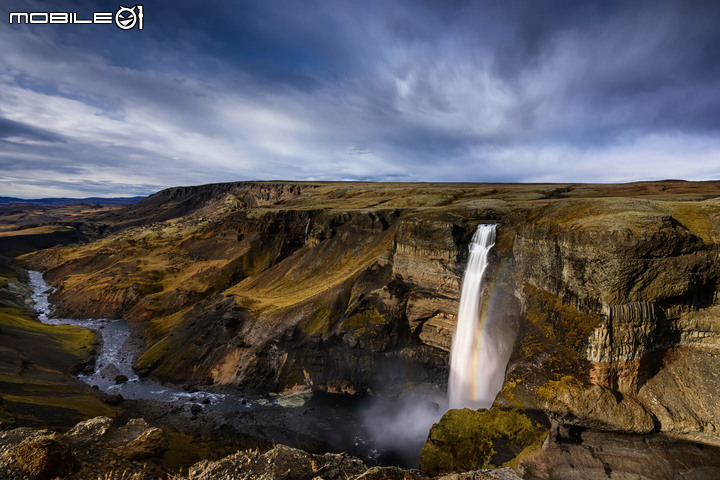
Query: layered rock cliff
{"type": "Point", "coordinates": [619, 321]}
{"type": "Point", "coordinates": [350, 287]}
{"type": "Point", "coordinates": [283, 291]}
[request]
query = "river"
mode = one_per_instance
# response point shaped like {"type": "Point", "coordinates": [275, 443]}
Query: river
{"type": "Point", "coordinates": [381, 431]}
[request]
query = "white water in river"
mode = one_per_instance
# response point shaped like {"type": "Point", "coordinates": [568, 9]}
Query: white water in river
{"type": "Point", "coordinates": [115, 358]}
{"type": "Point", "coordinates": [474, 359]}
{"type": "Point", "coordinates": [359, 425]}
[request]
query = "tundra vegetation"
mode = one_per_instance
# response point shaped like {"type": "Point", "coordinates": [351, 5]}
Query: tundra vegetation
{"type": "Point", "coordinates": [279, 287]}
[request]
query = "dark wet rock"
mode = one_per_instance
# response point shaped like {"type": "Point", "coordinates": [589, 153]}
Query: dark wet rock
{"type": "Point", "coordinates": [120, 379]}
{"type": "Point", "coordinates": [206, 401]}
{"type": "Point", "coordinates": [113, 399]}
{"type": "Point", "coordinates": [87, 369]}
{"type": "Point", "coordinates": [110, 372]}
{"type": "Point", "coordinates": [195, 409]}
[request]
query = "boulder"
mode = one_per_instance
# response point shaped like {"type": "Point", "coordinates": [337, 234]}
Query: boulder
{"type": "Point", "coordinates": [87, 432]}
{"type": "Point", "coordinates": [43, 457]}
{"type": "Point", "coordinates": [110, 372]}
{"type": "Point", "coordinates": [148, 444]}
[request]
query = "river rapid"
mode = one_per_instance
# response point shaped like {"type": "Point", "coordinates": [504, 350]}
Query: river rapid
{"type": "Point", "coordinates": [381, 431]}
{"type": "Point", "coordinates": [115, 358]}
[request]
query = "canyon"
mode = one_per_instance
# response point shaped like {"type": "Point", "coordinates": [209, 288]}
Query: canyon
{"type": "Point", "coordinates": [606, 295]}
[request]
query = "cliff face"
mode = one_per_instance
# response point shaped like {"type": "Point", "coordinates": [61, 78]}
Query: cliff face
{"type": "Point", "coordinates": [288, 294]}
{"type": "Point", "coordinates": [639, 280]}
{"type": "Point", "coordinates": [352, 287]}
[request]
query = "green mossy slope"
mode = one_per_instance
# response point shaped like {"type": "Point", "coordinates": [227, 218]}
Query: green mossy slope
{"type": "Point", "coordinates": [36, 365]}
{"type": "Point", "coordinates": [465, 440]}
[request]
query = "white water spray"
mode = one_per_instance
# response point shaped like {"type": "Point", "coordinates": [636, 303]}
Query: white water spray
{"type": "Point", "coordinates": [476, 365]}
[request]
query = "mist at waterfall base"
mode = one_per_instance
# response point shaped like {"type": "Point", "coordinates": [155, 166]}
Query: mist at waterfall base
{"type": "Point", "coordinates": [481, 344]}
{"type": "Point", "coordinates": [400, 426]}
{"type": "Point", "coordinates": [481, 347]}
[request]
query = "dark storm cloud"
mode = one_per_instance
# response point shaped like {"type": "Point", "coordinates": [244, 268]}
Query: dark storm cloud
{"type": "Point", "coordinates": [403, 90]}
{"type": "Point", "coordinates": [11, 129]}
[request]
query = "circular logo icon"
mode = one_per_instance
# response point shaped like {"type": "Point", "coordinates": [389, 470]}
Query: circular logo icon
{"type": "Point", "coordinates": [125, 18]}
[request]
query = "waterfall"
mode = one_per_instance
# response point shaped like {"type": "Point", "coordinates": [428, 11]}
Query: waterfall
{"type": "Point", "coordinates": [476, 365]}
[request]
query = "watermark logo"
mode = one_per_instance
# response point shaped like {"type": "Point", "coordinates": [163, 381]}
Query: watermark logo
{"type": "Point", "coordinates": [125, 18]}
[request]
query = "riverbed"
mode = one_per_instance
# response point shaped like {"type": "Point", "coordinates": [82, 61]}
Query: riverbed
{"type": "Point", "coordinates": [381, 431]}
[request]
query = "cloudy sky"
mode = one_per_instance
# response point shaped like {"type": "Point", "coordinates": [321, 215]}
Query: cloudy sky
{"type": "Point", "coordinates": [447, 90]}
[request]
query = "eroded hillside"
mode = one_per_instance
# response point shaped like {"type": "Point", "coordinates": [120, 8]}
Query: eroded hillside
{"type": "Point", "coordinates": [354, 287]}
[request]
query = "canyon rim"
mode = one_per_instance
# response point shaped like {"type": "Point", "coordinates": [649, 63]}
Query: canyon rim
{"type": "Point", "coordinates": [292, 300]}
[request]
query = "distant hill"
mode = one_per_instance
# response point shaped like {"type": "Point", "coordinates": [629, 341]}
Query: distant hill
{"type": "Point", "coordinates": [71, 201]}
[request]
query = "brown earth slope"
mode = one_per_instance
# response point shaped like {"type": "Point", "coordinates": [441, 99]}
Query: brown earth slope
{"type": "Point", "coordinates": [354, 287]}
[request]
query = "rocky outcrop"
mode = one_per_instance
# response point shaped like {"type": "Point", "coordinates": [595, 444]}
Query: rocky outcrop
{"type": "Point", "coordinates": [628, 332]}
{"type": "Point", "coordinates": [438, 331]}
{"type": "Point", "coordinates": [91, 449]}
{"type": "Point", "coordinates": [98, 448]}
{"type": "Point", "coordinates": [575, 453]}
{"type": "Point", "coordinates": [280, 463]}
{"type": "Point", "coordinates": [430, 253]}
{"type": "Point", "coordinates": [596, 261]}
{"type": "Point", "coordinates": [466, 440]}
{"type": "Point", "coordinates": [38, 455]}
{"type": "Point", "coordinates": [203, 200]}
{"type": "Point", "coordinates": [680, 394]}
{"type": "Point", "coordinates": [619, 321]}
{"type": "Point", "coordinates": [498, 474]}
{"type": "Point", "coordinates": [593, 406]}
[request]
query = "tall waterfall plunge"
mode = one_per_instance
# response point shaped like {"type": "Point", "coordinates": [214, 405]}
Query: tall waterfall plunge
{"type": "Point", "coordinates": [478, 356]}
